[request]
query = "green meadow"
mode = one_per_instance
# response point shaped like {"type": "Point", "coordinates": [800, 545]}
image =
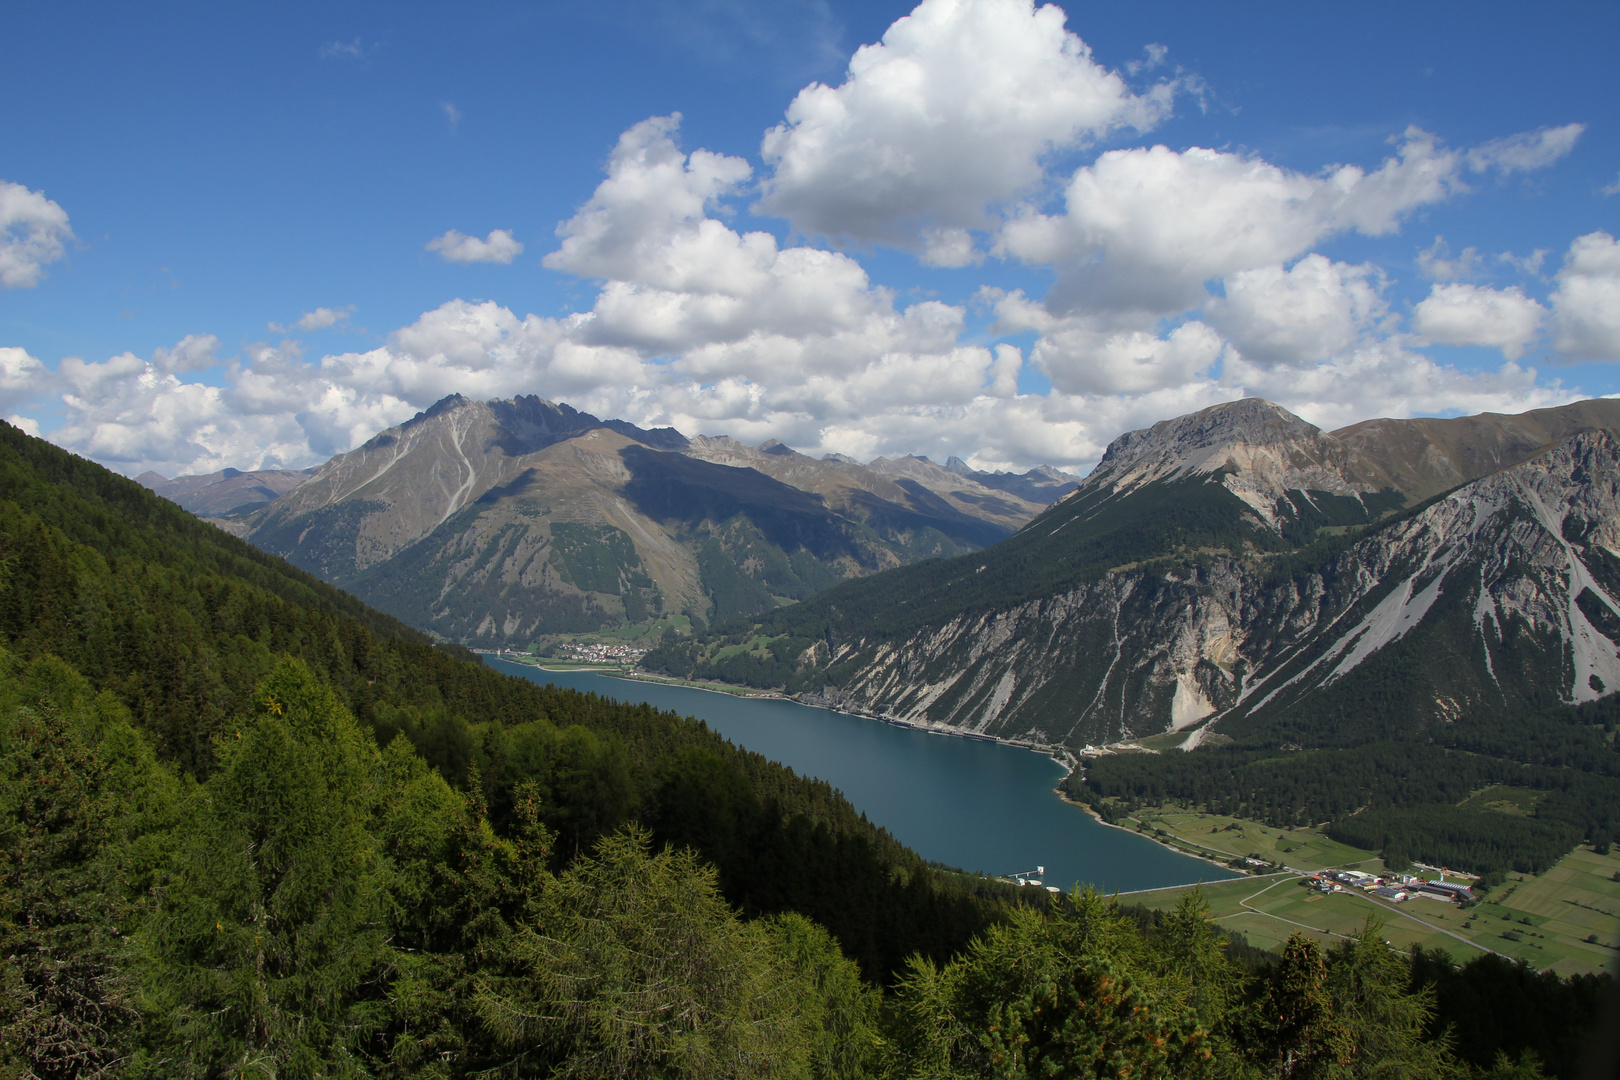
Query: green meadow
{"type": "Point", "coordinates": [1566, 920]}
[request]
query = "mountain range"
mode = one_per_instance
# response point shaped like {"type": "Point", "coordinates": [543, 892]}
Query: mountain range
{"type": "Point", "coordinates": [495, 523]}
{"type": "Point", "coordinates": [225, 493]}
{"type": "Point", "coordinates": [1234, 567]}
{"type": "Point", "coordinates": [1237, 569]}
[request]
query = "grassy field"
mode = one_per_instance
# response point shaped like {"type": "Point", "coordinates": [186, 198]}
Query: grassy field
{"type": "Point", "coordinates": [1221, 837]}
{"type": "Point", "coordinates": [554, 663]}
{"type": "Point", "coordinates": [626, 669]}
{"type": "Point", "coordinates": [1548, 918]}
{"type": "Point", "coordinates": [1556, 912]}
{"type": "Point", "coordinates": [699, 684]}
{"type": "Point", "coordinates": [1268, 909]}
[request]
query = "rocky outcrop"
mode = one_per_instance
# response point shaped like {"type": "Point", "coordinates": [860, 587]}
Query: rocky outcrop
{"type": "Point", "coordinates": [1506, 587]}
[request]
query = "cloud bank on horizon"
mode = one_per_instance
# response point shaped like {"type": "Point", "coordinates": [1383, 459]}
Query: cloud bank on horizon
{"type": "Point", "coordinates": [966, 140]}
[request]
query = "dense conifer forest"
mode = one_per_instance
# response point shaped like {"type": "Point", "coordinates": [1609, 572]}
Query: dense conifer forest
{"type": "Point", "coordinates": [1403, 797]}
{"type": "Point", "coordinates": [251, 828]}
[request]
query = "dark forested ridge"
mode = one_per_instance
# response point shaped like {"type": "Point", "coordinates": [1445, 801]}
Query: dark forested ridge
{"type": "Point", "coordinates": [180, 623]}
{"type": "Point", "coordinates": [249, 827]}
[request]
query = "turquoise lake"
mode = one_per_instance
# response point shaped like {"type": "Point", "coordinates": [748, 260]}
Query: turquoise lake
{"type": "Point", "coordinates": [977, 805]}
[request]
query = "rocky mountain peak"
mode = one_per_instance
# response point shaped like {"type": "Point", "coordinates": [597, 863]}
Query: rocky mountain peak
{"type": "Point", "coordinates": [1261, 450]}
{"type": "Point", "coordinates": [1194, 442]}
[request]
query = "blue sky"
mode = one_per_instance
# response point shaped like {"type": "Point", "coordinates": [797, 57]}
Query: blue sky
{"type": "Point", "coordinates": [217, 219]}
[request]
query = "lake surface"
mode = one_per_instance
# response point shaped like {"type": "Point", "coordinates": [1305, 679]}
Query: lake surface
{"type": "Point", "coordinates": [976, 805]}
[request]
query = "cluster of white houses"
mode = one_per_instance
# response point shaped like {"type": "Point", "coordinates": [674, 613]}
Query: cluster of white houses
{"type": "Point", "coordinates": [1395, 887]}
{"type": "Point", "coordinates": [600, 654]}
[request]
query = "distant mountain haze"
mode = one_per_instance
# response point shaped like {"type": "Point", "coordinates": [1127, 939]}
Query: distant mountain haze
{"type": "Point", "coordinates": [1041, 484]}
{"type": "Point", "coordinates": [226, 492]}
{"type": "Point", "coordinates": [498, 522]}
{"type": "Point", "coordinates": [1238, 569]}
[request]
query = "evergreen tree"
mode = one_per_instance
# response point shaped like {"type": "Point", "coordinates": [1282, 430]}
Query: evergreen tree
{"type": "Point", "coordinates": [1070, 994]}
{"type": "Point", "coordinates": [636, 967]}
{"type": "Point", "coordinates": [1191, 954]}
{"type": "Point", "coordinates": [1378, 1027]}
{"type": "Point", "coordinates": [73, 780]}
{"type": "Point", "coordinates": [1294, 1022]}
{"type": "Point", "coordinates": [269, 953]}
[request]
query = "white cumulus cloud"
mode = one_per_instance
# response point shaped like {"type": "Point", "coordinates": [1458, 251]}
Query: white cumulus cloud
{"type": "Point", "coordinates": [1143, 229]}
{"type": "Point", "coordinates": [1436, 263]}
{"type": "Point", "coordinates": [33, 232]}
{"type": "Point", "coordinates": [649, 223]}
{"type": "Point", "coordinates": [194, 352]}
{"type": "Point", "coordinates": [1526, 150]}
{"type": "Point", "coordinates": [1586, 303]}
{"type": "Point", "coordinates": [270, 409]}
{"type": "Point", "coordinates": [1383, 378]}
{"type": "Point", "coordinates": [1083, 355]}
{"type": "Point", "coordinates": [950, 113]}
{"type": "Point", "coordinates": [498, 247]}
{"type": "Point", "coordinates": [319, 319]}
{"type": "Point", "coordinates": [1312, 312]}
{"type": "Point", "coordinates": [22, 377]}
{"type": "Point", "coordinates": [1458, 314]}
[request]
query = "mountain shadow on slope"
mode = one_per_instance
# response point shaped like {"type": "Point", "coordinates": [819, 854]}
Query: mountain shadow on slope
{"type": "Point", "coordinates": [674, 487]}
{"type": "Point", "coordinates": [527, 423]}
{"type": "Point", "coordinates": [931, 511]}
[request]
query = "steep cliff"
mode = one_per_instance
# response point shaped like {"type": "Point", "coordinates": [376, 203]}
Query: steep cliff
{"type": "Point", "coordinates": [1239, 569]}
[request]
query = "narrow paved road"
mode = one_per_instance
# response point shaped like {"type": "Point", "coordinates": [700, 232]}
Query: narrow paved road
{"type": "Point", "coordinates": [1378, 903]}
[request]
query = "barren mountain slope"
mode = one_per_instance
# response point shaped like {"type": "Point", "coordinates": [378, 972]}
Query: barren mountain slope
{"type": "Point", "coordinates": [1241, 562]}
{"type": "Point", "coordinates": [496, 522]}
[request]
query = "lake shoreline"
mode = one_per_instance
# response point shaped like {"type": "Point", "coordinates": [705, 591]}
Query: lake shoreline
{"type": "Point", "coordinates": [1061, 794]}
{"type": "Point", "coordinates": [1063, 755]}
{"type": "Point", "coordinates": [983, 809]}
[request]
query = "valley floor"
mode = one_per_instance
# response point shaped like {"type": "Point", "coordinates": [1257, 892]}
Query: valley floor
{"type": "Point", "coordinates": [1566, 920]}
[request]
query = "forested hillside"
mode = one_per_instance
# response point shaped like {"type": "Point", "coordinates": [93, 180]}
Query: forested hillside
{"type": "Point", "coordinates": [249, 827]}
{"type": "Point", "coordinates": [180, 624]}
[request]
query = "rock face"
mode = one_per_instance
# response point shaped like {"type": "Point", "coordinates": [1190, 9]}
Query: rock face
{"type": "Point", "coordinates": [1302, 588]}
{"type": "Point", "coordinates": [495, 522]}
{"type": "Point", "coordinates": [1514, 579]}
{"type": "Point", "coordinates": [1260, 451]}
